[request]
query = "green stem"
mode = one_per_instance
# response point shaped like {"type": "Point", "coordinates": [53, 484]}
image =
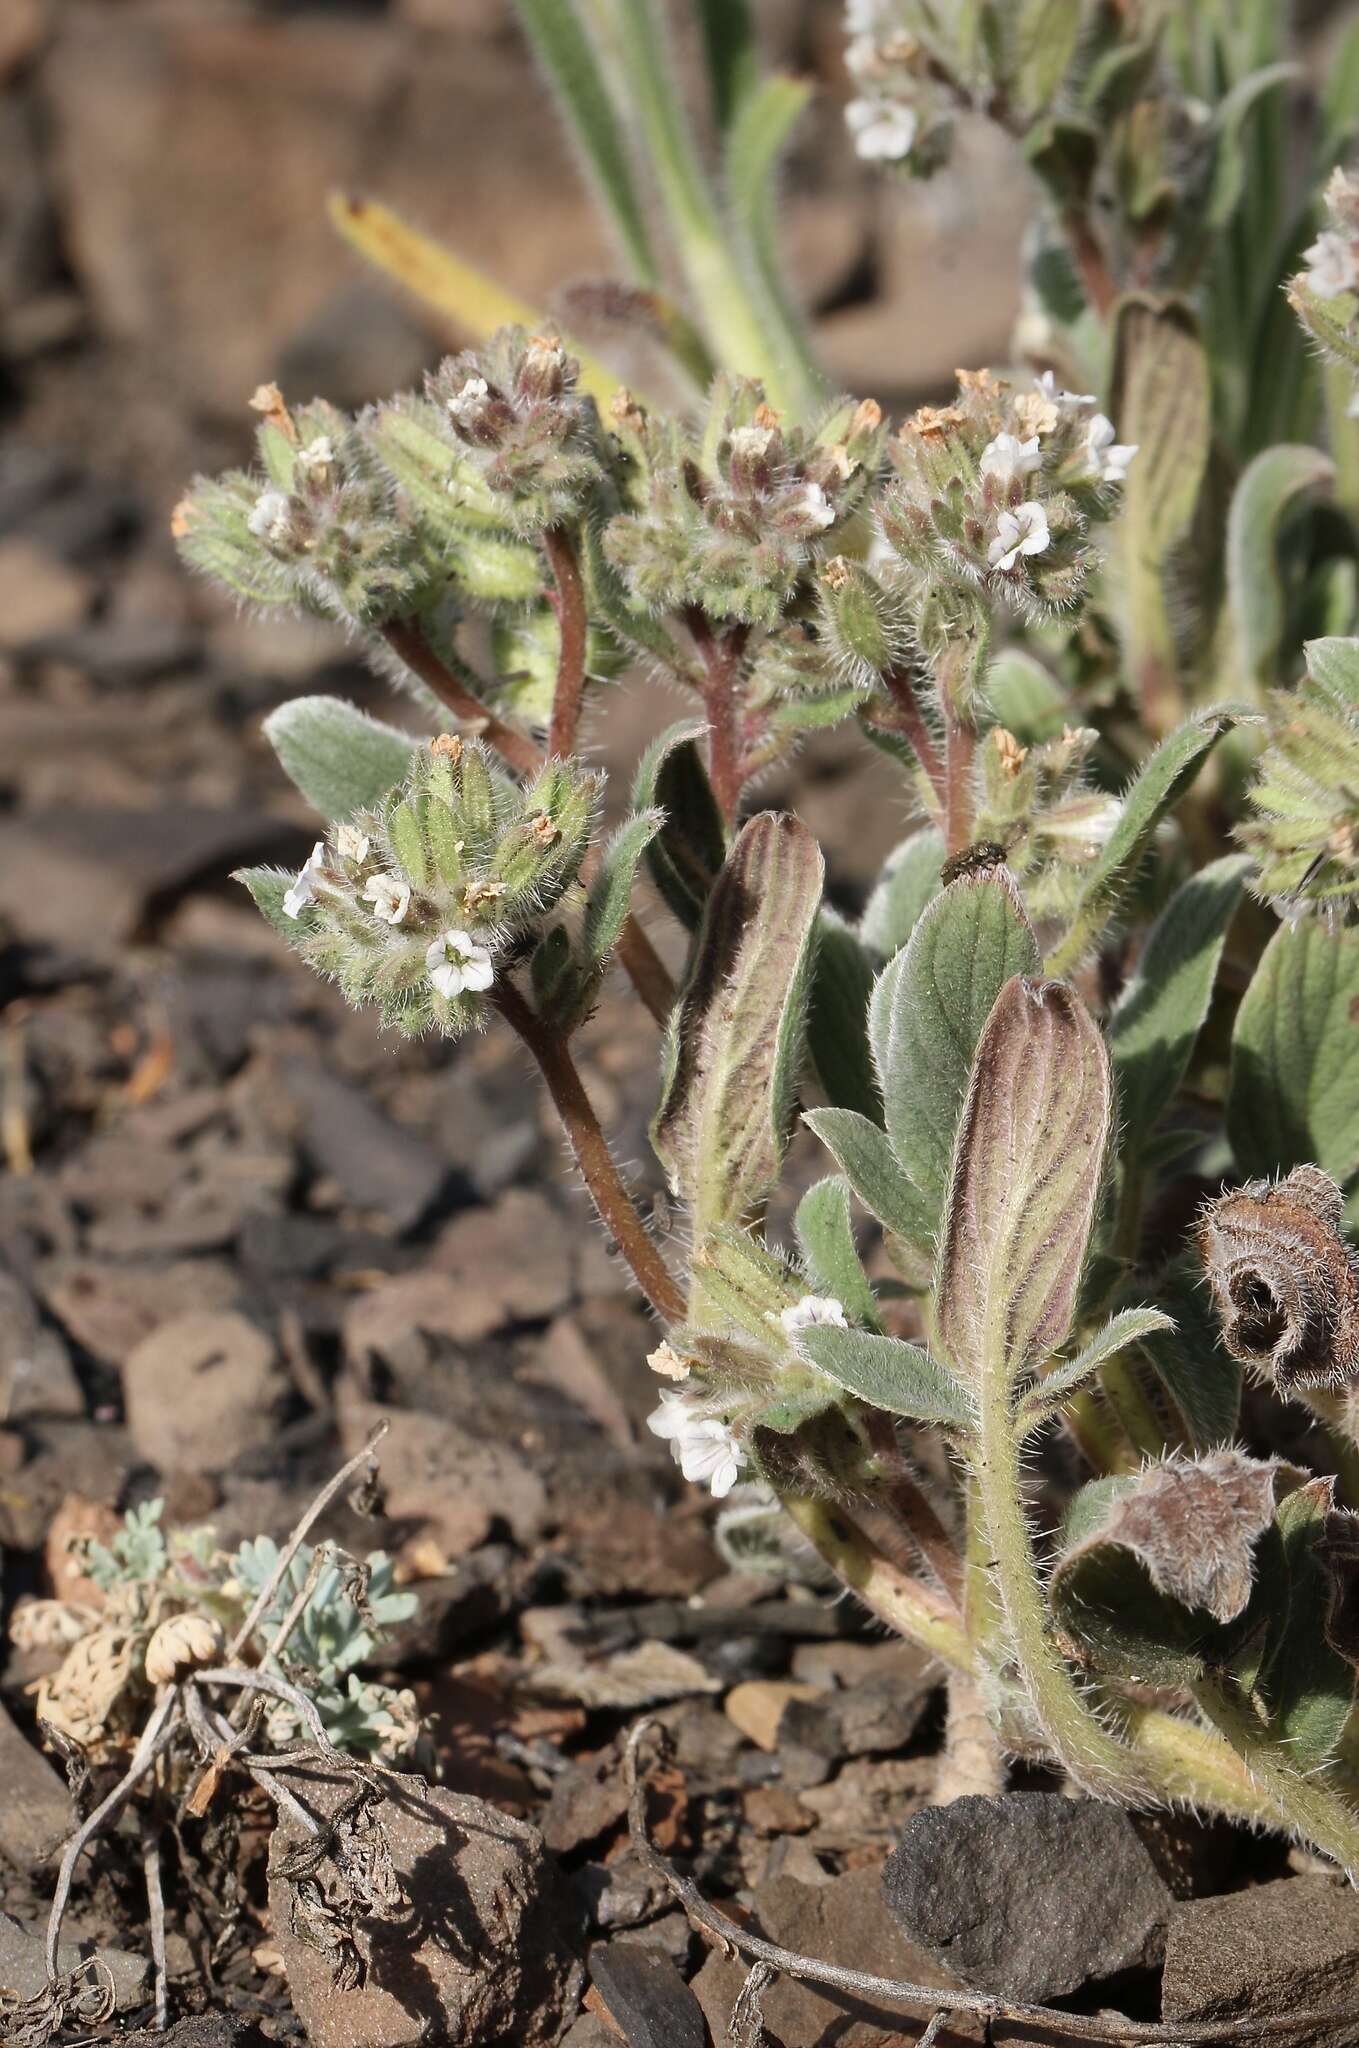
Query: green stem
{"type": "Point", "coordinates": [1097, 1760]}
{"type": "Point", "coordinates": [1336, 1418]}
{"type": "Point", "coordinates": [914, 1610]}
{"type": "Point", "coordinates": [1309, 1806]}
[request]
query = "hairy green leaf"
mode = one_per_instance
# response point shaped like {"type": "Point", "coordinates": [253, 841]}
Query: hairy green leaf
{"type": "Point", "coordinates": [737, 1031]}
{"type": "Point", "coordinates": [1267, 492]}
{"type": "Point", "coordinates": [686, 855]}
{"type": "Point", "coordinates": [607, 905]}
{"type": "Point", "coordinates": [268, 887]}
{"type": "Point", "coordinates": [1294, 1090]}
{"type": "Point", "coordinates": [579, 79]}
{"type": "Point", "coordinates": [1025, 1182]}
{"type": "Point", "coordinates": [929, 1006]}
{"type": "Point", "coordinates": [1160, 1013]}
{"type": "Point", "coordinates": [1026, 698]}
{"type": "Point", "coordinates": [864, 1154]}
{"type": "Point", "coordinates": [1160, 784]}
{"type": "Point", "coordinates": [837, 1019]}
{"type": "Point", "coordinates": [341, 759]}
{"type": "Point", "coordinates": [825, 1238]}
{"type": "Point", "coordinates": [1067, 1378]}
{"type": "Point", "coordinates": [1195, 1370]}
{"type": "Point", "coordinates": [909, 880]}
{"type": "Point", "coordinates": [1303, 1684]}
{"type": "Point", "coordinates": [888, 1373]}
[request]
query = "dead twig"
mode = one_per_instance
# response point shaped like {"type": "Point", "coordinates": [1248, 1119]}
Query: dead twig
{"type": "Point", "coordinates": [735, 1940]}
{"type": "Point", "coordinates": [155, 1915]}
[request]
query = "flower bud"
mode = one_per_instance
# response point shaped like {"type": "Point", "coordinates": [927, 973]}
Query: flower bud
{"type": "Point", "coordinates": [861, 624]}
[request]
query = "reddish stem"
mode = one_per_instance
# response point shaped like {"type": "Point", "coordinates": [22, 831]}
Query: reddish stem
{"type": "Point", "coordinates": [1088, 257]}
{"type": "Point", "coordinates": [573, 622]}
{"type": "Point", "coordinates": [616, 1209]}
{"type": "Point", "coordinates": [909, 720]}
{"type": "Point", "coordinates": [960, 743]}
{"type": "Point", "coordinates": [721, 662]}
{"type": "Point", "coordinates": [913, 1511]}
{"type": "Point", "coordinates": [409, 644]}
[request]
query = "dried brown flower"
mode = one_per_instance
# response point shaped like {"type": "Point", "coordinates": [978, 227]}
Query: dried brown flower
{"type": "Point", "coordinates": [1194, 1526]}
{"type": "Point", "coordinates": [1285, 1280]}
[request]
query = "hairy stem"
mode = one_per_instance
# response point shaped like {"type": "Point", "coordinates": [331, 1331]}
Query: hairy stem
{"type": "Point", "coordinates": [1308, 1806]}
{"type": "Point", "coordinates": [721, 663]}
{"type": "Point", "coordinates": [573, 625]}
{"type": "Point", "coordinates": [615, 1207]}
{"type": "Point", "coordinates": [1096, 1759]}
{"type": "Point", "coordinates": [409, 644]}
{"type": "Point", "coordinates": [914, 1609]}
{"type": "Point", "coordinates": [909, 720]}
{"type": "Point", "coordinates": [960, 741]}
{"type": "Point", "coordinates": [1088, 257]}
{"type": "Point", "coordinates": [913, 1511]}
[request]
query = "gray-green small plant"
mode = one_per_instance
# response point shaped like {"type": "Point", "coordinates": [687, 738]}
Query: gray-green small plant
{"type": "Point", "coordinates": [1100, 608]}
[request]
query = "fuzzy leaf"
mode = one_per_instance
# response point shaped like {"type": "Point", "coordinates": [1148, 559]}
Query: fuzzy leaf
{"type": "Point", "coordinates": [686, 855]}
{"type": "Point", "coordinates": [268, 887]}
{"type": "Point", "coordinates": [837, 1020]}
{"type": "Point", "coordinates": [1161, 1011]}
{"type": "Point", "coordinates": [1294, 1090]}
{"type": "Point", "coordinates": [909, 881]}
{"type": "Point", "coordinates": [606, 907]}
{"type": "Point", "coordinates": [737, 1033]}
{"type": "Point", "coordinates": [888, 1373]}
{"type": "Point", "coordinates": [929, 1006]}
{"type": "Point", "coordinates": [1156, 1569]}
{"type": "Point", "coordinates": [1055, 1388]}
{"type": "Point", "coordinates": [341, 759]}
{"type": "Point", "coordinates": [1026, 698]}
{"type": "Point", "coordinates": [1190, 1361]}
{"type": "Point", "coordinates": [864, 1155]}
{"type": "Point", "coordinates": [1025, 1182]}
{"type": "Point", "coordinates": [826, 1240]}
{"type": "Point", "coordinates": [1271, 486]}
{"type": "Point", "coordinates": [1160, 784]}
{"type": "Point", "coordinates": [1303, 1684]}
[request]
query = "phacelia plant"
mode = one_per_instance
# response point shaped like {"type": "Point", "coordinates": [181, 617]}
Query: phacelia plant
{"type": "Point", "coordinates": [1085, 1070]}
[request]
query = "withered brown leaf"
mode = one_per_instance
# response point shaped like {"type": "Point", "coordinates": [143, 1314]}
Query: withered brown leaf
{"type": "Point", "coordinates": [1193, 1524]}
{"type": "Point", "coordinates": [1285, 1280]}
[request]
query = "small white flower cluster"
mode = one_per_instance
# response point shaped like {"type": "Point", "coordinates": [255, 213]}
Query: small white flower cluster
{"type": "Point", "coordinates": [884, 131]}
{"type": "Point", "coordinates": [814, 1311]}
{"type": "Point", "coordinates": [1023, 529]}
{"type": "Point", "coordinates": [455, 963]}
{"type": "Point", "coordinates": [269, 517]}
{"type": "Point", "coordinates": [470, 399]}
{"type": "Point", "coordinates": [701, 1443]}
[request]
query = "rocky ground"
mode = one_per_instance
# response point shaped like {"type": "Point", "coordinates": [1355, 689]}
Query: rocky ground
{"type": "Point", "coordinates": [236, 1226]}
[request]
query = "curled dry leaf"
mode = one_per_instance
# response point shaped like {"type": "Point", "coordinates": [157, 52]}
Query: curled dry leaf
{"type": "Point", "coordinates": [180, 1643]}
{"type": "Point", "coordinates": [80, 1697]}
{"type": "Point", "coordinates": [1193, 1524]}
{"type": "Point", "coordinates": [1025, 1181]}
{"type": "Point", "coordinates": [1285, 1280]}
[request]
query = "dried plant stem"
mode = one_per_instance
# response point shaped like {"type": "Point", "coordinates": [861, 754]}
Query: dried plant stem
{"type": "Point", "coordinates": [158, 1732]}
{"type": "Point", "coordinates": [616, 1209]}
{"type": "Point", "coordinates": [155, 1914]}
{"type": "Point", "coordinates": [649, 975]}
{"type": "Point", "coordinates": [1309, 1806]}
{"type": "Point", "coordinates": [573, 627]}
{"type": "Point", "coordinates": [260, 1605]}
{"type": "Point", "coordinates": [734, 1939]}
{"type": "Point", "coordinates": [1095, 1757]}
{"type": "Point", "coordinates": [971, 1760]}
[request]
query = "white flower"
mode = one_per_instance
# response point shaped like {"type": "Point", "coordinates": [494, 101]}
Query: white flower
{"type": "Point", "coordinates": [473, 393]}
{"type": "Point", "coordinates": [457, 965]}
{"type": "Point", "coordinates": [1332, 265]}
{"type": "Point", "coordinates": [882, 134]}
{"type": "Point", "coordinates": [815, 505]}
{"type": "Point", "coordinates": [1021, 532]}
{"type": "Point", "coordinates": [1108, 458]}
{"type": "Point", "coordinates": [751, 442]}
{"type": "Point", "coordinates": [390, 898]}
{"type": "Point", "coordinates": [814, 1311]}
{"type": "Point", "coordinates": [1007, 457]}
{"type": "Point", "coordinates": [350, 843]}
{"type": "Point", "coordinates": [702, 1445]}
{"type": "Point", "coordinates": [318, 454]}
{"type": "Point", "coordinates": [269, 516]}
{"type": "Point", "coordinates": [303, 890]}
{"type": "Point", "coordinates": [1046, 383]}
{"type": "Point", "coordinates": [861, 16]}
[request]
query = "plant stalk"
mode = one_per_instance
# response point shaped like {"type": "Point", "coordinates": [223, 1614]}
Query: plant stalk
{"type": "Point", "coordinates": [1096, 1759]}
{"type": "Point", "coordinates": [573, 625]}
{"type": "Point", "coordinates": [721, 660]}
{"type": "Point", "coordinates": [1308, 1806]}
{"type": "Point", "coordinates": [615, 1207]}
